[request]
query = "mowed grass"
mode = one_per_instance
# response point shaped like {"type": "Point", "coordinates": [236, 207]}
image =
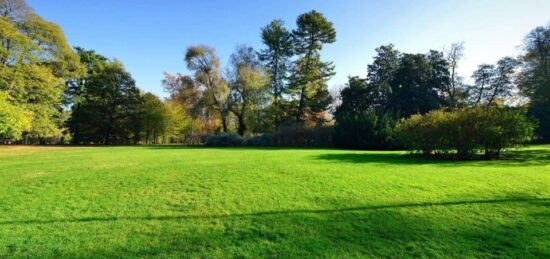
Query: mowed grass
{"type": "Point", "coordinates": [169, 201]}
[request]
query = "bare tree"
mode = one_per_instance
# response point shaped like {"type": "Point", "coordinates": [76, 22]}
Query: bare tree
{"type": "Point", "coordinates": [453, 55]}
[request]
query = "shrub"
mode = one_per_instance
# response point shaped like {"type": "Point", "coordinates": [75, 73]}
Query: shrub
{"type": "Point", "coordinates": [223, 140]}
{"type": "Point", "coordinates": [541, 114]}
{"type": "Point", "coordinates": [300, 136]}
{"type": "Point", "coordinates": [466, 131]}
{"type": "Point", "coordinates": [259, 140]}
{"type": "Point", "coordinates": [365, 130]}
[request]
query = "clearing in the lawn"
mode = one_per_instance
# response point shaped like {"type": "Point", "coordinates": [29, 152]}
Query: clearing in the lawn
{"type": "Point", "coordinates": [238, 202]}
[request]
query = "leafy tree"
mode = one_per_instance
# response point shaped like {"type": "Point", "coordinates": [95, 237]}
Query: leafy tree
{"type": "Point", "coordinates": [308, 81]}
{"type": "Point", "coordinates": [276, 57]}
{"type": "Point", "coordinates": [248, 87]}
{"type": "Point", "coordinates": [154, 116]}
{"type": "Point", "coordinates": [204, 62]}
{"type": "Point", "coordinates": [105, 103]}
{"type": "Point", "coordinates": [35, 61]}
{"type": "Point", "coordinates": [191, 101]}
{"type": "Point", "coordinates": [177, 122]}
{"type": "Point", "coordinates": [359, 124]}
{"type": "Point", "coordinates": [493, 83]}
{"type": "Point", "coordinates": [13, 119]}
{"type": "Point", "coordinates": [416, 84]}
{"type": "Point", "coordinates": [534, 78]}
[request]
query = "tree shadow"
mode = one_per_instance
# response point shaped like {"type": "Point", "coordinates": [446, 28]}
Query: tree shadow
{"type": "Point", "coordinates": [394, 230]}
{"type": "Point", "coordinates": [543, 201]}
{"type": "Point", "coordinates": [532, 157]}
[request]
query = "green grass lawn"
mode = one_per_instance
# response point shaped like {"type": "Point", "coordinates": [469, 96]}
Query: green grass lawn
{"type": "Point", "coordinates": [173, 201]}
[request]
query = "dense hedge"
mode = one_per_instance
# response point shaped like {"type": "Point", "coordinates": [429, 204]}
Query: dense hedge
{"type": "Point", "coordinates": [288, 136]}
{"type": "Point", "coordinates": [466, 132]}
{"type": "Point", "coordinates": [541, 114]}
{"type": "Point", "coordinates": [366, 130]}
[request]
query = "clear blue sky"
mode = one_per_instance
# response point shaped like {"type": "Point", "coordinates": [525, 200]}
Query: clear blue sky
{"type": "Point", "coordinates": [150, 37]}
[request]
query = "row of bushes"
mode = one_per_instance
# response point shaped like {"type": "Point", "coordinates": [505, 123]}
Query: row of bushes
{"type": "Point", "coordinates": [466, 132]}
{"type": "Point", "coordinates": [289, 136]}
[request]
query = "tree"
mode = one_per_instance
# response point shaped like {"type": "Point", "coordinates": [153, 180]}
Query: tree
{"type": "Point", "coordinates": [204, 62]}
{"type": "Point", "coordinates": [247, 86]}
{"type": "Point", "coordinates": [105, 103]}
{"type": "Point", "coordinates": [415, 85]}
{"type": "Point", "coordinates": [454, 90]}
{"type": "Point", "coordinates": [493, 83]}
{"type": "Point", "coordinates": [360, 124]}
{"type": "Point", "coordinates": [276, 58]}
{"type": "Point", "coordinates": [13, 119]}
{"type": "Point", "coordinates": [189, 97]}
{"type": "Point", "coordinates": [308, 80]}
{"type": "Point", "coordinates": [35, 62]}
{"type": "Point", "coordinates": [154, 117]}
{"type": "Point", "coordinates": [534, 79]}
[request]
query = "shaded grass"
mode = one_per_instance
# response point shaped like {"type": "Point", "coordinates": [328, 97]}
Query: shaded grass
{"type": "Point", "coordinates": [170, 201]}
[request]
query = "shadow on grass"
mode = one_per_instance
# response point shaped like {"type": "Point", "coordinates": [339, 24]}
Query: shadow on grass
{"type": "Point", "coordinates": [538, 201]}
{"type": "Point", "coordinates": [370, 231]}
{"type": "Point", "coordinates": [532, 157]}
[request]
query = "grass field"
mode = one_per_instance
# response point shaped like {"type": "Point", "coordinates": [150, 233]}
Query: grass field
{"type": "Point", "coordinates": [173, 201]}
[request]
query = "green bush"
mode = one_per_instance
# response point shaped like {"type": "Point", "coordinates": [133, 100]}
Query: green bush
{"type": "Point", "coordinates": [466, 132]}
{"type": "Point", "coordinates": [260, 140]}
{"type": "Point", "coordinates": [300, 136]}
{"type": "Point", "coordinates": [541, 114]}
{"type": "Point", "coordinates": [224, 140]}
{"type": "Point", "coordinates": [366, 130]}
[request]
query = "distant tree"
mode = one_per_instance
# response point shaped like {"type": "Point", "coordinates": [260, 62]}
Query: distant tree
{"type": "Point", "coordinates": [276, 57]}
{"type": "Point", "coordinates": [534, 79]}
{"type": "Point", "coordinates": [310, 74]}
{"type": "Point", "coordinates": [380, 75]}
{"type": "Point", "coordinates": [454, 90]}
{"type": "Point", "coordinates": [105, 103]}
{"type": "Point", "coordinates": [189, 96]}
{"type": "Point", "coordinates": [415, 86]}
{"type": "Point", "coordinates": [35, 62]}
{"type": "Point", "coordinates": [204, 62]}
{"type": "Point", "coordinates": [493, 83]}
{"type": "Point", "coordinates": [248, 83]}
{"type": "Point", "coordinates": [154, 116]}
{"type": "Point", "coordinates": [13, 119]}
{"type": "Point", "coordinates": [360, 124]}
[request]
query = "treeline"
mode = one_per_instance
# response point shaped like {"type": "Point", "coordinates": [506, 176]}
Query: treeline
{"type": "Point", "coordinates": [278, 95]}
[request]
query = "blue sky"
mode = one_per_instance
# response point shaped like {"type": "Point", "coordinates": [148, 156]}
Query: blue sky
{"type": "Point", "coordinates": [150, 37]}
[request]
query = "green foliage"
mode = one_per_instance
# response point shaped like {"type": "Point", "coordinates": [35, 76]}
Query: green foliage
{"type": "Point", "coordinates": [248, 87]}
{"type": "Point", "coordinates": [534, 79]}
{"type": "Point", "coordinates": [13, 119]}
{"type": "Point", "coordinates": [224, 140]}
{"type": "Point", "coordinates": [364, 130]}
{"type": "Point", "coordinates": [360, 123]}
{"type": "Point", "coordinates": [493, 83]}
{"type": "Point", "coordinates": [260, 140]}
{"type": "Point", "coordinates": [308, 81]}
{"type": "Point", "coordinates": [35, 61]}
{"type": "Point", "coordinates": [106, 103]}
{"type": "Point", "coordinates": [181, 202]}
{"type": "Point", "coordinates": [276, 58]}
{"type": "Point", "coordinates": [204, 62]}
{"type": "Point", "coordinates": [300, 136]}
{"type": "Point", "coordinates": [541, 114]}
{"type": "Point", "coordinates": [466, 131]}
